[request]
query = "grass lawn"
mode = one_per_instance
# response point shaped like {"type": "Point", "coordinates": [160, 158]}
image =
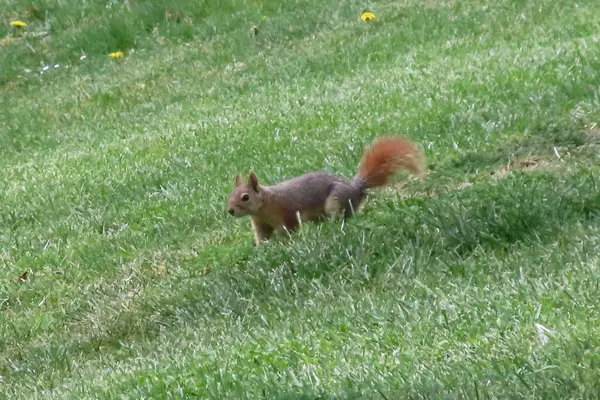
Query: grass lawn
{"type": "Point", "coordinates": [122, 276]}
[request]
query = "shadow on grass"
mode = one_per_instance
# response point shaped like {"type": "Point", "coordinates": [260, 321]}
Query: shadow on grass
{"type": "Point", "coordinates": [540, 141]}
{"type": "Point", "coordinates": [523, 208]}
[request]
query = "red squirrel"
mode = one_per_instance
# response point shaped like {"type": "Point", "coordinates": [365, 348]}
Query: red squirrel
{"type": "Point", "coordinates": [316, 195]}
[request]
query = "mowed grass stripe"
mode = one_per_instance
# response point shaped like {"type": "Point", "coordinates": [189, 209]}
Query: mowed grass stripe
{"type": "Point", "coordinates": [345, 95]}
{"type": "Point", "coordinates": [372, 43]}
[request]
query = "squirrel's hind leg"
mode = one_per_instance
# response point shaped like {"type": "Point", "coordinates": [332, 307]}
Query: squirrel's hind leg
{"type": "Point", "coordinates": [332, 205]}
{"type": "Point", "coordinates": [343, 198]}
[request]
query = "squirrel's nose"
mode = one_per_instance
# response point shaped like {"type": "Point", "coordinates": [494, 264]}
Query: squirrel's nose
{"type": "Point", "coordinates": [230, 211]}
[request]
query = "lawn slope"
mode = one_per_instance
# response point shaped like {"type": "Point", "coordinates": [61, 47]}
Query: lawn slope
{"type": "Point", "coordinates": [122, 276]}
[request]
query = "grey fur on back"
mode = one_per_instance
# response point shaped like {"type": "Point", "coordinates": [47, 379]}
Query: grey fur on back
{"type": "Point", "coordinates": [314, 188]}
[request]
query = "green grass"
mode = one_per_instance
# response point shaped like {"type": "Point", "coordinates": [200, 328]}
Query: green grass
{"type": "Point", "coordinates": [115, 174]}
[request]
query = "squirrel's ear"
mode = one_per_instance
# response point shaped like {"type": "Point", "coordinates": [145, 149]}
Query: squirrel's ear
{"type": "Point", "coordinates": [253, 180]}
{"type": "Point", "coordinates": [238, 180]}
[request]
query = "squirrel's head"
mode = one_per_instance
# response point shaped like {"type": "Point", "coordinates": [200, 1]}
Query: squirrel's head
{"type": "Point", "coordinates": [246, 198]}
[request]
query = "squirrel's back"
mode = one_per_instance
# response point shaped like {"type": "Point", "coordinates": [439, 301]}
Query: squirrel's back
{"type": "Point", "coordinates": [309, 190]}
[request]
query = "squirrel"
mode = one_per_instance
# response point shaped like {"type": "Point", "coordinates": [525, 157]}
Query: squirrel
{"type": "Point", "coordinates": [314, 196]}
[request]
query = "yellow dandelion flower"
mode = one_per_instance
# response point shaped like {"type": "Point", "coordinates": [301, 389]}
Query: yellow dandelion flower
{"type": "Point", "coordinates": [367, 16]}
{"type": "Point", "coordinates": [116, 54]}
{"type": "Point", "coordinates": [18, 24]}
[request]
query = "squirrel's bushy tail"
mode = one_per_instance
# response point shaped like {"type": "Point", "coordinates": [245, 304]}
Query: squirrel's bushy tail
{"type": "Point", "coordinates": [385, 157]}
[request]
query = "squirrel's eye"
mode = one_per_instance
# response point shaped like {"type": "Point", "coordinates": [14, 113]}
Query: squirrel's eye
{"type": "Point", "coordinates": [245, 197]}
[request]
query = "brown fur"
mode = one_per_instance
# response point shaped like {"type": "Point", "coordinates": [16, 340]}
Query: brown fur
{"type": "Point", "coordinates": [387, 156]}
{"type": "Point", "coordinates": [317, 195]}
